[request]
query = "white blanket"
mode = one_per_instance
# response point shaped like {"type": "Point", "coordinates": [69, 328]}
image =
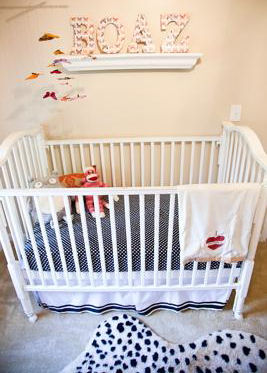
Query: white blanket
{"type": "Point", "coordinates": [215, 221]}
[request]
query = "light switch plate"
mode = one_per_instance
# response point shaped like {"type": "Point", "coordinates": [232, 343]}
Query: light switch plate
{"type": "Point", "coordinates": [235, 113]}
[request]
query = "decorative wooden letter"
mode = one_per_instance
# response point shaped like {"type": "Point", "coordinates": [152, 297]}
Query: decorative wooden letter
{"type": "Point", "coordinates": [169, 45]}
{"type": "Point", "coordinates": [141, 37]}
{"type": "Point", "coordinates": [83, 36]}
{"type": "Point", "coordinates": [104, 46]}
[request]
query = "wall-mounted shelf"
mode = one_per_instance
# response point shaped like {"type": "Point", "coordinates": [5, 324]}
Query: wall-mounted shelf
{"type": "Point", "coordinates": [139, 61]}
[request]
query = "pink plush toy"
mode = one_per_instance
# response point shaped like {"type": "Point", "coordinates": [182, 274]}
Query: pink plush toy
{"type": "Point", "coordinates": [91, 180]}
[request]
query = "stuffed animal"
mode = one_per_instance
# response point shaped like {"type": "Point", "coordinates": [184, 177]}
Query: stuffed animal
{"type": "Point", "coordinates": [91, 180]}
{"type": "Point", "coordinates": [52, 181]}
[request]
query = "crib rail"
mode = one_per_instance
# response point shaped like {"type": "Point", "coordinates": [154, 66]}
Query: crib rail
{"type": "Point", "coordinates": [242, 156]}
{"type": "Point", "coordinates": [140, 161]}
{"type": "Point", "coordinates": [149, 275]}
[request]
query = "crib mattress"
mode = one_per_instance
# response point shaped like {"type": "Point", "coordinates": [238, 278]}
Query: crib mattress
{"type": "Point", "coordinates": [121, 240]}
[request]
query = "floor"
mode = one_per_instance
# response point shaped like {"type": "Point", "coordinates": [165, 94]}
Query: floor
{"type": "Point", "coordinates": [56, 339]}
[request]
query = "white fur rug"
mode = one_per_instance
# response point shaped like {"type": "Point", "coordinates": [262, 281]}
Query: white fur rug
{"type": "Point", "coordinates": [124, 344]}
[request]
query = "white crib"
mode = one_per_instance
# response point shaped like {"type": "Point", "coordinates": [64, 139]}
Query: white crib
{"type": "Point", "coordinates": [134, 166]}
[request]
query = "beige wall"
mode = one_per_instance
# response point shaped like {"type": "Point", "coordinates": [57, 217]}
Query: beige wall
{"type": "Point", "coordinates": [232, 35]}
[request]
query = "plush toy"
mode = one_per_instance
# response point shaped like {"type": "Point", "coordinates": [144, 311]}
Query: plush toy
{"type": "Point", "coordinates": [52, 181]}
{"type": "Point", "coordinates": [91, 180]}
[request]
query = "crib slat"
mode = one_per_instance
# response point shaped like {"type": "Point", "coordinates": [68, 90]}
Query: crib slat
{"type": "Point", "coordinates": [201, 162]}
{"type": "Point", "coordinates": [12, 172]}
{"type": "Point", "coordinates": [219, 275]}
{"type": "Point", "coordinates": [232, 271]}
{"type": "Point", "coordinates": [192, 162]}
{"type": "Point", "coordinates": [237, 165]}
{"type": "Point", "coordinates": [59, 240]}
{"type": "Point", "coordinates": [54, 163]}
{"type": "Point", "coordinates": [172, 163]}
{"type": "Point", "coordinates": [234, 158]}
{"type": "Point", "coordinates": [207, 271]}
{"type": "Point", "coordinates": [32, 238]}
{"type": "Point", "coordinates": [28, 157]}
{"type": "Point", "coordinates": [142, 165]}
{"type": "Point", "coordinates": [152, 162]}
{"type": "Point", "coordinates": [247, 168]}
{"type": "Point", "coordinates": [242, 166]}
{"type": "Point", "coordinates": [194, 273]}
{"type": "Point", "coordinates": [92, 154]}
{"type": "Point", "coordinates": [113, 173]}
{"type": "Point", "coordinates": [82, 157]}
{"type": "Point", "coordinates": [103, 165]}
{"type": "Point", "coordinates": [122, 164]}
{"type": "Point", "coordinates": [15, 184]}
{"type": "Point", "coordinates": [162, 163]}
{"type": "Point", "coordinates": [23, 163]}
{"type": "Point", "coordinates": [16, 235]}
{"type": "Point", "coordinates": [253, 172]}
{"type": "Point", "coordinates": [72, 157]}
{"type": "Point", "coordinates": [128, 239]}
{"type": "Point", "coordinates": [36, 149]}
{"type": "Point", "coordinates": [45, 239]}
{"type": "Point", "coordinates": [212, 151]}
{"type": "Point", "coordinates": [170, 238]}
{"type": "Point", "coordinates": [182, 163]}
{"type": "Point", "coordinates": [13, 212]}
{"type": "Point", "coordinates": [86, 240]}
{"type": "Point", "coordinates": [19, 169]}
{"type": "Point", "coordinates": [142, 237]}
{"type": "Point", "coordinates": [132, 163]}
{"type": "Point", "coordinates": [100, 240]}
{"type": "Point", "coordinates": [229, 158]}
{"type": "Point", "coordinates": [181, 274]}
{"type": "Point", "coordinates": [33, 157]}
{"type": "Point", "coordinates": [225, 155]}
{"type": "Point", "coordinates": [259, 174]}
{"type": "Point", "coordinates": [72, 239]}
{"type": "Point", "coordinates": [63, 160]}
{"type": "Point", "coordinates": [114, 238]}
{"type": "Point", "coordinates": [156, 238]}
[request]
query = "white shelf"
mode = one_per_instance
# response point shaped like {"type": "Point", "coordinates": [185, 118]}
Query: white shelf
{"type": "Point", "coordinates": [130, 61]}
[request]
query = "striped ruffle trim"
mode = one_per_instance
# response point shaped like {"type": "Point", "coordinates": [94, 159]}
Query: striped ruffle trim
{"type": "Point", "coordinates": [146, 311]}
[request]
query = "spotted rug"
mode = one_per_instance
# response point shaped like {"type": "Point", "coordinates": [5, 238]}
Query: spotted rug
{"type": "Point", "coordinates": [125, 344]}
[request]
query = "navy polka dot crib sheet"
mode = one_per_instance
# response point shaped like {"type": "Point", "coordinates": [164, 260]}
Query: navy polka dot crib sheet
{"type": "Point", "coordinates": [120, 223]}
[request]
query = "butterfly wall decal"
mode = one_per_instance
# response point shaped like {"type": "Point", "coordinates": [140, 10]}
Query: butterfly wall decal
{"type": "Point", "coordinates": [58, 51]}
{"type": "Point", "coordinates": [72, 98]}
{"type": "Point", "coordinates": [60, 60]}
{"type": "Point", "coordinates": [32, 76]}
{"type": "Point", "coordinates": [65, 78]}
{"type": "Point", "coordinates": [56, 72]}
{"type": "Point", "coordinates": [48, 36]}
{"type": "Point", "coordinates": [50, 94]}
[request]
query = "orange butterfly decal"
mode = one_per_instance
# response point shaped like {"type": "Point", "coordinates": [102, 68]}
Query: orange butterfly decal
{"type": "Point", "coordinates": [32, 76]}
{"type": "Point", "coordinates": [58, 51]}
{"type": "Point", "coordinates": [48, 36]}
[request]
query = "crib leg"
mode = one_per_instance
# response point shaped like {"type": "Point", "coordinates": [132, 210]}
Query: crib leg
{"type": "Point", "coordinates": [238, 306]}
{"type": "Point", "coordinates": [241, 292]}
{"type": "Point", "coordinates": [23, 295]}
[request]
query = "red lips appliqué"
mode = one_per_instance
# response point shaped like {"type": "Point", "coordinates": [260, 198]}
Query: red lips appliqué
{"type": "Point", "coordinates": [214, 243]}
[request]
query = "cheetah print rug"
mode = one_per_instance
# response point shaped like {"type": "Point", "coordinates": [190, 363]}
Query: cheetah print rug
{"type": "Point", "coordinates": [124, 344]}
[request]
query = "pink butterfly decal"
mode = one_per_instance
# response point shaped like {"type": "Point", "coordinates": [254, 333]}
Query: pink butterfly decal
{"type": "Point", "coordinates": [50, 94]}
{"type": "Point", "coordinates": [56, 72]}
{"type": "Point", "coordinates": [59, 60]}
{"type": "Point", "coordinates": [73, 98]}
